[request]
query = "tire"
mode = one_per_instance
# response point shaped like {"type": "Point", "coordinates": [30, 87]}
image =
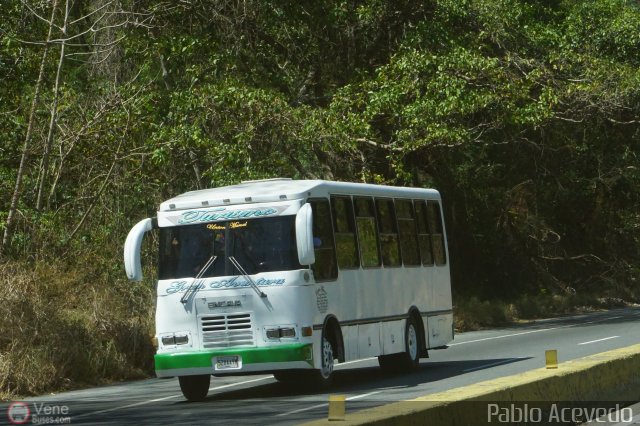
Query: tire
{"type": "Point", "coordinates": [195, 388]}
{"type": "Point", "coordinates": [410, 359]}
{"type": "Point", "coordinates": [322, 378]}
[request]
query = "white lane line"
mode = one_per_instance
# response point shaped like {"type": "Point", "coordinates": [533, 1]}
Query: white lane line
{"type": "Point", "coordinates": [533, 331]}
{"type": "Point", "coordinates": [599, 340]}
{"type": "Point", "coordinates": [353, 362]}
{"type": "Point", "coordinates": [137, 404]}
{"type": "Point", "coordinates": [505, 335]}
{"type": "Point", "coordinates": [504, 361]}
{"type": "Point", "coordinates": [325, 404]}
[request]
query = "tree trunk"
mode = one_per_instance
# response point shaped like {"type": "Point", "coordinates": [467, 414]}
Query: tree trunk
{"type": "Point", "coordinates": [6, 239]}
{"type": "Point", "coordinates": [54, 112]}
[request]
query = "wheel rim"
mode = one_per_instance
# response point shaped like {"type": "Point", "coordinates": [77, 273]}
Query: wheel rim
{"type": "Point", "coordinates": [412, 342]}
{"type": "Point", "coordinates": [327, 358]}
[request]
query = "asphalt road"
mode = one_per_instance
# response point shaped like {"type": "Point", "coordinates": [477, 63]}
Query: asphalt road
{"type": "Point", "coordinates": [261, 400]}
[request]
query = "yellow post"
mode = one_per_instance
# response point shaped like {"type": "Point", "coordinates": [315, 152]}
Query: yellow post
{"type": "Point", "coordinates": [551, 358]}
{"type": "Point", "coordinates": [337, 407]}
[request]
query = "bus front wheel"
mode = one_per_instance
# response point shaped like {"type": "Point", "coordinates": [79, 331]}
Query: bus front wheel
{"type": "Point", "coordinates": [195, 388]}
{"type": "Point", "coordinates": [323, 377]}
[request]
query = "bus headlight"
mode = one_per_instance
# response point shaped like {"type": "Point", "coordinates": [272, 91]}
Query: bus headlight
{"type": "Point", "coordinates": [168, 340]}
{"type": "Point", "coordinates": [175, 339]}
{"type": "Point", "coordinates": [287, 332]}
{"type": "Point", "coordinates": [276, 333]}
{"type": "Point", "coordinates": [182, 339]}
{"type": "Point", "coordinates": [273, 333]}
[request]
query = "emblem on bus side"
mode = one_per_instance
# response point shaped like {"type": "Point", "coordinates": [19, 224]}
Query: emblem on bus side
{"type": "Point", "coordinates": [322, 300]}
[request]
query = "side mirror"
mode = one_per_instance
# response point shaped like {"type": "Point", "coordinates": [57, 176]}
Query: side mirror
{"type": "Point", "coordinates": [304, 235]}
{"type": "Point", "coordinates": [132, 247]}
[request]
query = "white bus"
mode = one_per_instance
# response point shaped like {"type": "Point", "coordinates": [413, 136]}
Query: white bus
{"type": "Point", "coordinates": [291, 276]}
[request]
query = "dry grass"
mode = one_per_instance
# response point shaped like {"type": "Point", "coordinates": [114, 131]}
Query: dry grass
{"type": "Point", "coordinates": [472, 314]}
{"type": "Point", "coordinates": [67, 328]}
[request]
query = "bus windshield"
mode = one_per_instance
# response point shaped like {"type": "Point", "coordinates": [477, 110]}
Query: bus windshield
{"type": "Point", "coordinates": [259, 245]}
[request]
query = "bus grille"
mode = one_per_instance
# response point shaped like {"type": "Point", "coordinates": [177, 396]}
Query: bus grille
{"type": "Point", "coordinates": [225, 330]}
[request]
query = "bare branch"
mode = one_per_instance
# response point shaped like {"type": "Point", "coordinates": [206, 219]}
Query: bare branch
{"type": "Point", "coordinates": [45, 20]}
{"type": "Point", "coordinates": [111, 43]}
{"type": "Point", "coordinates": [10, 112]}
{"type": "Point", "coordinates": [97, 195]}
{"type": "Point", "coordinates": [571, 120]}
{"type": "Point", "coordinates": [578, 257]}
{"type": "Point", "coordinates": [91, 29]}
{"type": "Point", "coordinates": [379, 145]}
{"type": "Point", "coordinates": [107, 4]}
{"type": "Point", "coordinates": [624, 122]}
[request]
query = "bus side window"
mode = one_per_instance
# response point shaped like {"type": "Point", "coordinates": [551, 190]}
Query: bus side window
{"type": "Point", "coordinates": [424, 237]}
{"type": "Point", "coordinates": [367, 232]}
{"type": "Point", "coordinates": [345, 232]}
{"type": "Point", "coordinates": [388, 228]}
{"type": "Point", "coordinates": [325, 268]}
{"type": "Point", "coordinates": [437, 236]}
{"type": "Point", "coordinates": [408, 234]}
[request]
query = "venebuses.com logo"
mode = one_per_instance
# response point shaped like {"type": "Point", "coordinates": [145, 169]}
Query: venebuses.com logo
{"type": "Point", "coordinates": [18, 413]}
{"type": "Point", "coordinates": [38, 413]}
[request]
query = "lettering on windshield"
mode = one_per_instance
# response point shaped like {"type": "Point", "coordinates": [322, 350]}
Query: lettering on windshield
{"type": "Point", "coordinates": [199, 216]}
{"type": "Point", "coordinates": [232, 225]}
{"type": "Point", "coordinates": [235, 282]}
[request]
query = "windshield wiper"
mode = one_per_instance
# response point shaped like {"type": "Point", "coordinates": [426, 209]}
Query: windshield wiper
{"type": "Point", "coordinates": [193, 289]}
{"type": "Point", "coordinates": [233, 260]}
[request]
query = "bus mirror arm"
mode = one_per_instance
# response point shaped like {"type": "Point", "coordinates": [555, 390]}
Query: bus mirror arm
{"type": "Point", "coordinates": [132, 247]}
{"type": "Point", "coordinates": [304, 235]}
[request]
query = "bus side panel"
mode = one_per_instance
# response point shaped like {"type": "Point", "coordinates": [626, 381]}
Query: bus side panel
{"type": "Point", "coordinates": [369, 340]}
{"type": "Point", "coordinates": [392, 337]}
{"type": "Point", "coordinates": [350, 337]}
{"type": "Point", "coordinates": [440, 330]}
{"type": "Point", "coordinates": [440, 289]}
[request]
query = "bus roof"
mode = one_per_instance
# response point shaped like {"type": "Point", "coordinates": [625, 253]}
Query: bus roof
{"type": "Point", "coordinates": [281, 189]}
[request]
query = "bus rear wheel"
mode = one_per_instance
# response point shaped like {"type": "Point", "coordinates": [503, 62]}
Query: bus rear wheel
{"type": "Point", "coordinates": [195, 388]}
{"type": "Point", "coordinates": [410, 359]}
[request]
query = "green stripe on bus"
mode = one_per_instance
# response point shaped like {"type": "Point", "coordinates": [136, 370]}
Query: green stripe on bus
{"type": "Point", "coordinates": [284, 353]}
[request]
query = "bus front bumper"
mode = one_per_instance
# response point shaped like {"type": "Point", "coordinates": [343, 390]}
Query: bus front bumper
{"type": "Point", "coordinates": [235, 361]}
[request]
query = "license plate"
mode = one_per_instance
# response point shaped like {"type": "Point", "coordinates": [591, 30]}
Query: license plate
{"type": "Point", "coordinates": [232, 362]}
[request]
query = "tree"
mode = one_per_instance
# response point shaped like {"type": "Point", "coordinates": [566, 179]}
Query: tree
{"type": "Point", "coordinates": [6, 238]}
